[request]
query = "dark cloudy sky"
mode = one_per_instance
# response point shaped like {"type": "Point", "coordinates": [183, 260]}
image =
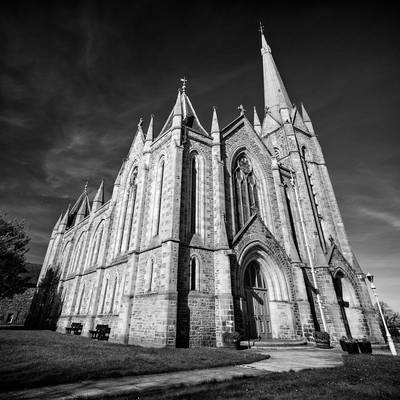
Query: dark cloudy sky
{"type": "Point", "coordinates": [75, 77]}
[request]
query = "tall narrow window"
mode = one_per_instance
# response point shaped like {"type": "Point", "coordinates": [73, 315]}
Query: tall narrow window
{"type": "Point", "coordinates": [131, 205]}
{"type": "Point", "coordinates": [81, 299]}
{"type": "Point", "coordinates": [65, 256]}
{"type": "Point", "coordinates": [104, 297]}
{"type": "Point", "coordinates": [246, 192]}
{"type": "Point", "coordinates": [79, 255]}
{"type": "Point", "coordinates": [194, 274]}
{"type": "Point", "coordinates": [193, 194]}
{"type": "Point", "coordinates": [97, 248]}
{"type": "Point", "coordinates": [149, 276]}
{"type": "Point", "coordinates": [113, 295]}
{"type": "Point", "coordinates": [158, 199]}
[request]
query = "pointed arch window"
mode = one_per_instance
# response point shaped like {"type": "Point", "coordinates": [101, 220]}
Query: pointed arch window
{"type": "Point", "coordinates": [131, 205]}
{"type": "Point", "coordinates": [196, 220]}
{"type": "Point", "coordinates": [158, 198]}
{"type": "Point", "coordinates": [79, 255]}
{"type": "Point", "coordinates": [127, 210]}
{"type": "Point", "coordinates": [65, 256]}
{"type": "Point", "coordinates": [96, 246]}
{"type": "Point", "coordinates": [194, 195]}
{"type": "Point", "coordinates": [245, 189]}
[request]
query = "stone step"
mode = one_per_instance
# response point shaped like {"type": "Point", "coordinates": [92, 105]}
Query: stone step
{"type": "Point", "coordinates": [266, 344]}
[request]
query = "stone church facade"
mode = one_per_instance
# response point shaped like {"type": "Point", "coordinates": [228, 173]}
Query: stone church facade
{"type": "Point", "coordinates": [211, 232]}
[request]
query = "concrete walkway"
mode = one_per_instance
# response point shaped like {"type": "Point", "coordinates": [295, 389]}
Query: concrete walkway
{"type": "Point", "coordinates": [281, 360]}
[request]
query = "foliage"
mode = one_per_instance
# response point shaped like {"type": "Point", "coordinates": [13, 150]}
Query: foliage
{"type": "Point", "coordinates": [13, 242]}
{"type": "Point", "coordinates": [392, 319]}
{"type": "Point", "coordinates": [46, 304]}
{"type": "Point", "coordinates": [39, 358]}
{"type": "Point", "coordinates": [321, 335]}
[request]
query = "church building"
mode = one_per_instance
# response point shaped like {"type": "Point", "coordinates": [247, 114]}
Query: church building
{"type": "Point", "coordinates": [210, 232]}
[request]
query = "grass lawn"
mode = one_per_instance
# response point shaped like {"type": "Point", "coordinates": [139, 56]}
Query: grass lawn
{"type": "Point", "coordinates": [39, 358]}
{"type": "Point", "coordinates": [362, 377]}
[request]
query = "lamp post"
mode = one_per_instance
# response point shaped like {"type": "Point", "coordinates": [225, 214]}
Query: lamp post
{"type": "Point", "coordinates": [388, 336]}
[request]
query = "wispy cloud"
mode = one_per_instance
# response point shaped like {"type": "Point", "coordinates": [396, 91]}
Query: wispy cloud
{"type": "Point", "coordinates": [388, 218]}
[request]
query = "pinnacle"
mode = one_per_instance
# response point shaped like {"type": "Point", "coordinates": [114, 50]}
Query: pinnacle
{"type": "Point", "coordinates": [178, 104]}
{"type": "Point", "coordinates": [150, 130]}
{"type": "Point", "coordinates": [256, 122]}
{"type": "Point", "coordinates": [306, 117]}
{"type": "Point", "coordinates": [215, 124]}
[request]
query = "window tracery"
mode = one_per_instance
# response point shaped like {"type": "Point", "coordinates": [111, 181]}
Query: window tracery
{"type": "Point", "coordinates": [246, 191]}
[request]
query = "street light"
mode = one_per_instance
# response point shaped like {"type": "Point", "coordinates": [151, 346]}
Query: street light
{"type": "Point", "coordinates": [388, 336]}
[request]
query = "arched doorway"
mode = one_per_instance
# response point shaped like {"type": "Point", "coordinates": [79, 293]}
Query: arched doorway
{"type": "Point", "coordinates": [348, 302]}
{"type": "Point", "coordinates": [258, 318]}
{"type": "Point", "coordinates": [265, 302]}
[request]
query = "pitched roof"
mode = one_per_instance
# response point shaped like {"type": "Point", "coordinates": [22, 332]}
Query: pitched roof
{"type": "Point", "coordinates": [188, 113]}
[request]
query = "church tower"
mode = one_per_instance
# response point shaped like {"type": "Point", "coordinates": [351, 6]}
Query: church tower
{"type": "Point", "coordinates": [208, 232]}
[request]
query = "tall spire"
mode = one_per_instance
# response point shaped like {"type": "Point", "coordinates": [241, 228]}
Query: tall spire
{"type": "Point", "coordinates": [256, 122]}
{"type": "Point", "coordinates": [275, 95]}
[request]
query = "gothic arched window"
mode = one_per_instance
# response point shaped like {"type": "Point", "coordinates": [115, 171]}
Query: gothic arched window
{"type": "Point", "coordinates": [158, 198]}
{"type": "Point", "coordinates": [131, 206]}
{"type": "Point", "coordinates": [65, 256]}
{"type": "Point", "coordinates": [246, 192]}
{"type": "Point", "coordinates": [193, 195]}
{"type": "Point", "coordinates": [79, 254]}
{"type": "Point", "coordinates": [96, 245]}
{"type": "Point", "coordinates": [126, 215]}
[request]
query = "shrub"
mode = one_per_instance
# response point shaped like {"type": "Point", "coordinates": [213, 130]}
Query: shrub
{"type": "Point", "coordinates": [321, 335]}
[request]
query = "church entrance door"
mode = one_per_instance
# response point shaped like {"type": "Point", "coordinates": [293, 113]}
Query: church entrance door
{"type": "Point", "coordinates": [258, 315]}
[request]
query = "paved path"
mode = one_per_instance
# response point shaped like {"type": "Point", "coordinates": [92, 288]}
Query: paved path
{"type": "Point", "coordinates": [281, 360]}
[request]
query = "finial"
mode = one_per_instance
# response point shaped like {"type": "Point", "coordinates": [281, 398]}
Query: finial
{"type": "Point", "coordinates": [241, 109]}
{"type": "Point", "coordinates": [183, 80]}
{"type": "Point", "coordinates": [140, 122]}
{"type": "Point", "coordinates": [86, 185]}
{"type": "Point", "coordinates": [261, 28]}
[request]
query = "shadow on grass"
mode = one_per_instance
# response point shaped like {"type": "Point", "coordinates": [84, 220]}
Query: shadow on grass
{"type": "Point", "coordinates": [364, 377]}
{"type": "Point", "coordinates": [39, 358]}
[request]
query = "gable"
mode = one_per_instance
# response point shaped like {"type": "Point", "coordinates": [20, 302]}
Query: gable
{"type": "Point", "coordinates": [256, 232]}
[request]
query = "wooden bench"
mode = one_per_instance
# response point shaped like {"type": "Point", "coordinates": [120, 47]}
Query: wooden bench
{"type": "Point", "coordinates": [102, 332]}
{"type": "Point", "coordinates": [75, 327]}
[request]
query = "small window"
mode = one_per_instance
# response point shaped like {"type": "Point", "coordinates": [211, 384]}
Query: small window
{"type": "Point", "coordinates": [277, 152]}
{"type": "Point", "coordinates": [150, 277]}
{"type": "Point", "coordinates": [194, 274]}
